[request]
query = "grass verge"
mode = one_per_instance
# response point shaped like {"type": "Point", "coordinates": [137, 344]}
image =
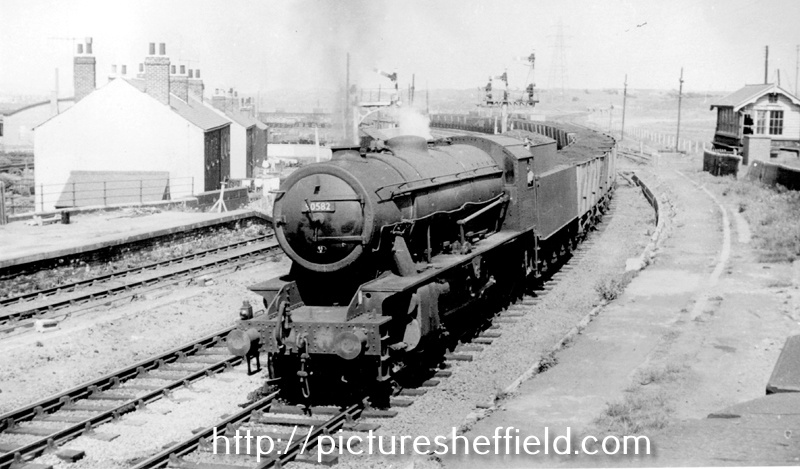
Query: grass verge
{"type": "Point", "coordinates": [771, 212]}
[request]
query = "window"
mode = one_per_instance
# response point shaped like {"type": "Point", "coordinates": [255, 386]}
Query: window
{"type": "Point", "coordinates": [727, 121]}
{"type": "Point", "coordinates": [776, 122]}
{"type": "Point", "coordinates": [529, 173]}
{"type": "Point", "coordinates": [773, 98]}
{"type": "Point", "coordinates": [761, 122]}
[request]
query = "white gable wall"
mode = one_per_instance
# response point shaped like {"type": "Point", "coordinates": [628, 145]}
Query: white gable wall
{"type": "Point", "coordinates": [791, 115]}
{"type": "Point", "coordinates": [117, 128]}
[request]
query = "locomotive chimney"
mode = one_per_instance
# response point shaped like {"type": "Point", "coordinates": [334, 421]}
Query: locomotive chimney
{"type": "Point", "coordinates": [156, 74]}
{"type": "Point", "coordinates": [84, 75]}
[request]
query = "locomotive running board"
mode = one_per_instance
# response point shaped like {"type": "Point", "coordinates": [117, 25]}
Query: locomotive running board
{"type": "Point", "coordinates": [440, 264]}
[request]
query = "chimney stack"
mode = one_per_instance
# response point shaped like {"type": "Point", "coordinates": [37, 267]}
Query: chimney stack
{"type": "Point", "coordinates": [179, 84]}
{"type": "Point", "coordinates": [84, 70]}
{"type": "Point", "coordinates": [196, 87]}
{"type": "Point", "coordinates": [219, 101]}
{"type": "Point", "coordinates": [156, 73]}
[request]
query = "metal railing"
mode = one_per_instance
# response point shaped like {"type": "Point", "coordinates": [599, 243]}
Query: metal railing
{"type": "Point", "coordinates": [24, 196]}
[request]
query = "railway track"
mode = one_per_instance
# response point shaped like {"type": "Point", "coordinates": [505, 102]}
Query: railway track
{"type": "Point", "coordinates": [294, 435]}
{"type": "Point", "coordinates": [51, 421]}
{"type": "Point", "coordinates": [295, 445]}
{"type": "Point", "coordinates": [635, 156]}
{"type": "Point", "coordinates": [118, 284]}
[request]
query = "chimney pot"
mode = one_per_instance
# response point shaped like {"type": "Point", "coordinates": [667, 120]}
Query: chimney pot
{"type": "Point", "coordinates": [183, 69]}
{"type": "Point", "coordinates": [89, 45]}
{"type": "Point", "coordinates": [197, 73]}
{"type": "Point", "coordinates": [152, 48]}
{"type": "Point", "coordinates": [191, 73]}
{"type": "Point", "coordinates": [162, 48]}
{"type": "Point", "coordinates": [80, 48]}
{"type": "Point", "coordinates": [114, 69]}
{"type": "Point", "coordinates": [172, 69]}
{"type": "Point", "coordinates": [124, 69]}
{"type": "Point", "coordinates": [141, 68]}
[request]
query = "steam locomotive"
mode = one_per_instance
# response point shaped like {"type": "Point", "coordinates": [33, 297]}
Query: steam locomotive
{"type": "Point", "coordinates": [396, 244]}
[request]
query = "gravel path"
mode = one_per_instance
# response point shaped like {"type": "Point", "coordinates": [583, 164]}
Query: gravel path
{"type": "Point", "coordinates": [457, 398]}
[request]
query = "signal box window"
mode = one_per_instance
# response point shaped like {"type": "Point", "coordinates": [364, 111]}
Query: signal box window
{"type": "Point", "coordinates": [776, 122]}
{"type": "Point", "coordinates": [773, 98]}
{"type": "Point", "coordinates": [761, 122]}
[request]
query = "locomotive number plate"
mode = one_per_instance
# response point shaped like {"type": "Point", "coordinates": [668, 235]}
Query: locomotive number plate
{"type": "Point", "coordinates": [321, 207]}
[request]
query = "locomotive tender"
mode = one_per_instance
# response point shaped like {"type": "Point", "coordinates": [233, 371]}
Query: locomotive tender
{"type": "Point", "coordinates": [397, 243]}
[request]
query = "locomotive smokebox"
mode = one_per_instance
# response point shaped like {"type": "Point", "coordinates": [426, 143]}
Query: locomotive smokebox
{"type": "Point", "coordinates": [331, 216]}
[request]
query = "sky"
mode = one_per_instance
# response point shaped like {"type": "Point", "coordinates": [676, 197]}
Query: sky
{"type": "Point", "coordinates": [302, 44]}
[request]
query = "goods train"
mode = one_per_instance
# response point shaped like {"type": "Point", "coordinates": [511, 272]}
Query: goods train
{"type": "Point", "coordinates": [396, 244]}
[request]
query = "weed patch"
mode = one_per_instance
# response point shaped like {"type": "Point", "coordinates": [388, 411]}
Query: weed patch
{"type": "Point", "coordinates": [611, 288]}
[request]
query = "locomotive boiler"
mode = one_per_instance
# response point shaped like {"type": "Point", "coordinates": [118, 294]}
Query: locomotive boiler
{"type": "Point", "coordinates": [396, 244]}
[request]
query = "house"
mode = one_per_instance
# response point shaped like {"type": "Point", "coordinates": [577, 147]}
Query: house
{"type": "Point", "coordinates": [248, 136]}
{"type": "Point", "coordinates": [759, 110]}
{"type": "Point", "coordinates": [133, 128]}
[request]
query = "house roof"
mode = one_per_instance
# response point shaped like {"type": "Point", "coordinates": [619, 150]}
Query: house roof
{"type": "Point", "coordinates": [240, 118]}
{"type": "Point", "coordinates": [744, 96]}
{"type": "Point", "coordinates": [40, 103]}
{"type": "Point", "coordinates": [192, 110]}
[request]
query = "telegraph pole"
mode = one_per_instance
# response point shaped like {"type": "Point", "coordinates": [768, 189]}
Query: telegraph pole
{"type": "Point", "coordinates": [427, 99]}
{"type": "Point", "coordinates": [624, 104]}
{"type": "Point", "coordinates": [766, 64]}
{"type": "Point", "coordinates": [680, 97]}
{"type": "Point", "coordinates": [796, 68]}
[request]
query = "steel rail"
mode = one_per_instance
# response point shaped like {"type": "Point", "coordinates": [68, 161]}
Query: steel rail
{"type": "Point", "coordinates": [111, 291]}
{"type": "Point", "coordinates": [329, 428]}
{"type": "Point", "coordinates": [122, 273]}
{"type": "Point", "coordinates": [191, 444]}
{"type": "Point", "coordinates": [110, 381]}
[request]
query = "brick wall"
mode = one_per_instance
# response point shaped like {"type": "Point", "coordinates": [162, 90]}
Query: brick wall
{"type": "Point", "coordinates": [179, 86]}
{"type": "Point", "coordinates": [156, 76]}
{"type": "Point", "coordinates": [196, 88]}
{"type": "Point", "coordinates": [84, 76]}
